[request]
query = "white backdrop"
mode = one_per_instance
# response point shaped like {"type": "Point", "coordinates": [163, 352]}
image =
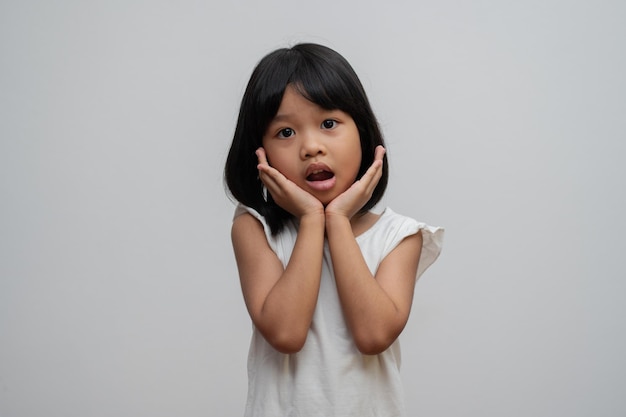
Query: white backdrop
{"type": "Point", "coordinates": [505, 123]}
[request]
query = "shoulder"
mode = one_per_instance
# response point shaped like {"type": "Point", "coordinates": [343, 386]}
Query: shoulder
{"type": "Point", "coordinates": [392, 217]}
{"type": "Point", "coordinates": [247, 229]}
{"type": "Point", "coordinates": [398, 227]}
{"type": "Point", "coordinates": [250, 241]}
{"type": "Point", "coordinates": [246, 223]}
{"type": "Point", "coordinates": [392, 228]}
{"type": "Point", "coordinates": [389, 224]}
{"type": "Point", "coordinates": [246, 216]}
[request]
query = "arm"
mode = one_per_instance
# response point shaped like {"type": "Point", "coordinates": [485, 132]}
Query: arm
{"type": "Point", "coordinates": [376, 307]}
{"type": "Point", "coordinates": [280, 301]}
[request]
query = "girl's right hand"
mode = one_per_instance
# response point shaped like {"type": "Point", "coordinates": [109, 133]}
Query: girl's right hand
{"type": "Point", "coordinates": [286, 193]}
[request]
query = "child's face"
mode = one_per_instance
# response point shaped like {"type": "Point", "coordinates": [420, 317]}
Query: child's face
{"type": "Point", "coordinates": [317, 149]}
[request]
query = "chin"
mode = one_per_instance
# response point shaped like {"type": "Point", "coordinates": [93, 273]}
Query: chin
{"type": "Point", "coordinates": [325, 199]}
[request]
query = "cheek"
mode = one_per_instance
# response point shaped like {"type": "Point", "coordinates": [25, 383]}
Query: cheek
{"type": "Point", "coordinates": [358, 156]}
{"type": "Point", "coordinates": [270, 153]}
{"type": "Point", "coordinates": [281, 161]}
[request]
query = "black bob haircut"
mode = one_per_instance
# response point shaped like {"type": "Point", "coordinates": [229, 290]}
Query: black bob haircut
{"type": "Point", "coordinates": [325, 78]}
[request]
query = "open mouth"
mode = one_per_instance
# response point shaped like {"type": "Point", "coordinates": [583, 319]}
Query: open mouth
{"type": "Point", "coordinates": [320, 175]}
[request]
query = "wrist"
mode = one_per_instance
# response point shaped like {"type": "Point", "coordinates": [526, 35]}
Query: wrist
{"type": "Point", "coordinates": [313, 217]}
{"type": "Point", "coordinates": [336, 221]}
{"type": "Point", "coordinates": [331, 215]}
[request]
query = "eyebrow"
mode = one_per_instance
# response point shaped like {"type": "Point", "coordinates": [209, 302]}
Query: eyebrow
{"type": "Point", "coordinates": [280, 117]}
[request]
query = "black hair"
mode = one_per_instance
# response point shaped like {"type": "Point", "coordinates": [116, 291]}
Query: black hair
{"type": "Point", "coordinates": [325, 78]}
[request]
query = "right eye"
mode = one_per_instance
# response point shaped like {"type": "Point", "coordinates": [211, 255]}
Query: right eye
{"type": "Point", "coordinates": [286, 133]}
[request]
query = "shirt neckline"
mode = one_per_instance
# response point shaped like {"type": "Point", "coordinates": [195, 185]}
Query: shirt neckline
{"type": "Point", "coordinates": [363, 235]}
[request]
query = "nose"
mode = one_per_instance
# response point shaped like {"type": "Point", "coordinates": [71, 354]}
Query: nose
{"type": "Point", "coordinates": [312, 145]}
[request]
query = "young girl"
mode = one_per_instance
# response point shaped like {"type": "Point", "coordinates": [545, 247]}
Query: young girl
{"type": "Point", "coordinates": [327, 282]}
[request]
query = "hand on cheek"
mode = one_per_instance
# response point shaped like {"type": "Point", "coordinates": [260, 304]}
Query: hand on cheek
{"type": "Point", "coordinates": [349, 202]}
{"type": "Point", "coordinates": [284, 192]}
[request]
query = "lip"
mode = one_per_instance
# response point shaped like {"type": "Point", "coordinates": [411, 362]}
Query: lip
{"type": "Point", "coordinates": [315, 167]}
{"type": "Point", "coordinates": [320, 185]}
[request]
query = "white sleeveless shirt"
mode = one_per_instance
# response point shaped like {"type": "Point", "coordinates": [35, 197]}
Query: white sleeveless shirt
{"type": "Point", "coordinates": [329, 377]}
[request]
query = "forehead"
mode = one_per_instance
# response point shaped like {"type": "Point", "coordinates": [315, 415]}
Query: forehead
{"type": "Point", "coordinates": [294, 100]}
{"type": "Point", "coordinates": [294, 106]}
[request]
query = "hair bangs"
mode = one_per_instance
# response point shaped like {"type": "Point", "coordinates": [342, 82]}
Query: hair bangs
{"type": "Point", "coordinates": [322, 84]}
{"type": "Point", "coordinates": [267, 85]}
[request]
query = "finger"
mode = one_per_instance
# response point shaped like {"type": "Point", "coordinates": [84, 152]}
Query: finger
{"type": "Point", "coordinates": [275, 182]}
{"type": "Point", "coordinates": [270, 177]}
{"type": "Point", "coordinates": [370, 179]}
{"type": "Point", "coordinates": [373, 180]}
{"type": "Point", "coordinates": [270, 172]}
{"type": "Point", "coordinates": [261, 156]}
{"type": "Point", "coordinates": [379, 153]}
{"type": "Point", "coordinates": [264, 167]}
{"type": "Point", "coordinates": [375, 170]}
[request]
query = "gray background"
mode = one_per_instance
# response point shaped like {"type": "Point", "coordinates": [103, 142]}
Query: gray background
{"type": "Point", "coordinates": [505, 124]}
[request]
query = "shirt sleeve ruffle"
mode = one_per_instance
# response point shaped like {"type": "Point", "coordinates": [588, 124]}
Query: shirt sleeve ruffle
{"type": "Point", "coordinates": [399, 227]}
{"type": "Point", "coordinates": [432, 241]}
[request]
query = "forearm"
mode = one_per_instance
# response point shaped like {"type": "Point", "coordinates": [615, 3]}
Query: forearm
{"type": "Point", "coordinates": [287, 311]}
{"type": "Point", "coordinates": [371, 314]}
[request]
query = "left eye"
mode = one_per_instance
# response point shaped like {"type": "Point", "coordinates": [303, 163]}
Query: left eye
{"type": "Point", "coordinates": [329, 124]}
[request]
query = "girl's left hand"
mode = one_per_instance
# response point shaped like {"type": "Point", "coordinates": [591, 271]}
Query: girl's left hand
{"type": "Point", "coordinates": [350, 201]}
